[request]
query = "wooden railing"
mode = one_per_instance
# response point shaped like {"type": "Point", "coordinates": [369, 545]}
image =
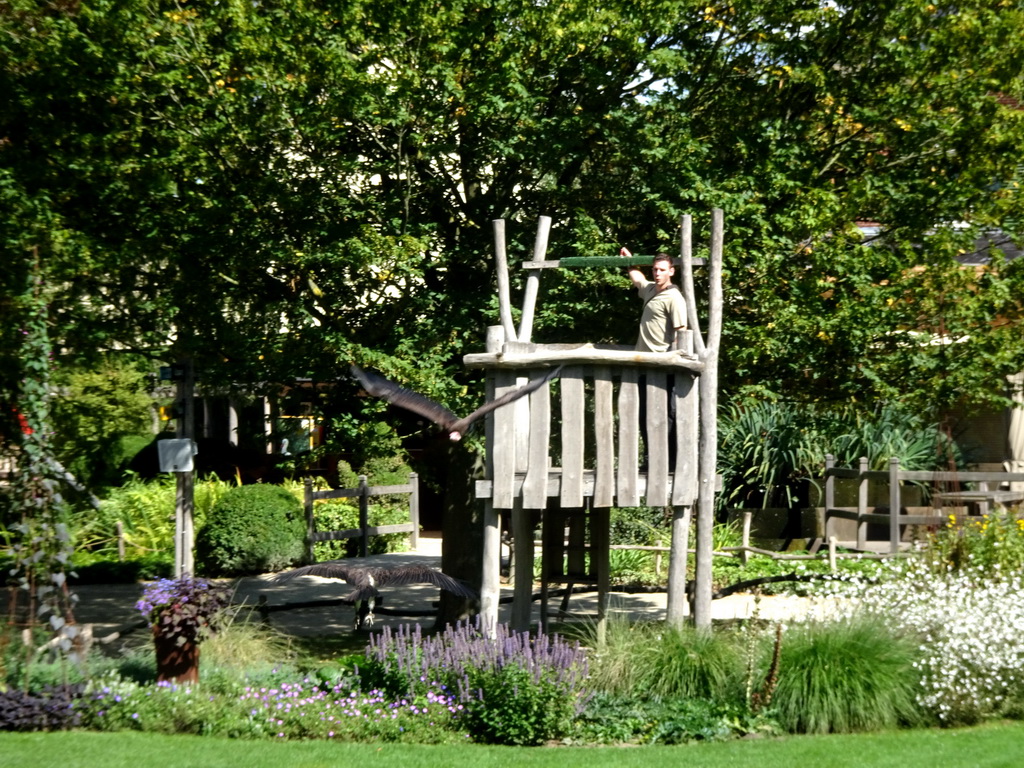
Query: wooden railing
{"type": "Point", "coordinates": [946, 486]}
{"type": "Point", "coordinates": [363, 493]}
{"type": "Point", "coordinates": [599, 392]}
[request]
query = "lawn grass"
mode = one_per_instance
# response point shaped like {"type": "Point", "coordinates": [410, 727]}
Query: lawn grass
{"type": "Point", "coordinates": [995, 745]}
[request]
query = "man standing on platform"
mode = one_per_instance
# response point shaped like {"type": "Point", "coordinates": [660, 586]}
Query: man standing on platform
{"type": "Point", "coordinates": [664, 312]}
{"type": "Point", "coordinates": [663, 316]}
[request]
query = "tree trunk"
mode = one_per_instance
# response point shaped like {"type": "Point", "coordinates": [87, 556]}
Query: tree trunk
{"type": "Point", "coordinates": [462, 533]}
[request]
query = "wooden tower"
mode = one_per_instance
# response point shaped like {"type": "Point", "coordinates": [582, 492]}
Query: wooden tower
{"type": "Point", "coordinates": [572, 449]}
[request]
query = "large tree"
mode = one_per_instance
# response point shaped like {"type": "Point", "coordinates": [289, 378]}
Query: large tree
{"type": "Point", "coordinates": [273, 188]}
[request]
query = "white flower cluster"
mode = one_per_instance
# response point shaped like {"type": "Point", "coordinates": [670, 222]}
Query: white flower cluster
{"type": "Point", "coordinates": [971, 630]}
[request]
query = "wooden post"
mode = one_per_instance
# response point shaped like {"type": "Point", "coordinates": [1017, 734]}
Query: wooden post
{"type": "Point", "coordinates": [708, 450]}
{"type": "Point", "coordinates": [414, 510]}
{"type": "Point", "coordinates": [678, 558]}
{"type": "Point", "coordinates": [184, 563]}
{"type": "Point", "coordinates": [501, 268]}
{"type": "Point", "coordinates": [629, 439]}
{"type": "Point", "coordinates": [540, 248]}
{"type": "Point", "coordinates": [830, 494]}
{"type": "Point", "coordinates": [307, 503]}
{"type": "Point", "coordinates": [862, 503]}
{"type": "Point", "coordinates": [490, 577]}
{"type": "Point", "coordinates": [364, 517]}
{"type": "Point", "coordinates": [600, 547]}
{"type": "Point", "coordinates": [686, 257]}
{"type": "Point", "coordinates": [604, 439]}
{"type": "Point", "coordinates": [748, 517]}
{"type": "Point", "coordinates": [832, 554]}
{"type": "Point", "coordinates": [894, 505]}
{"type": "Point", "coordinates": [573, 410]}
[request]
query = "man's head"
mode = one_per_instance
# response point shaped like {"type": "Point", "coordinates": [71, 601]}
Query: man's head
{"type": "Point", "coordinates": [662, 270]}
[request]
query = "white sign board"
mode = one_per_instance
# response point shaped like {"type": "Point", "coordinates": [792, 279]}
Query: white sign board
{"type": "Point", "coordinates": [176, 454]}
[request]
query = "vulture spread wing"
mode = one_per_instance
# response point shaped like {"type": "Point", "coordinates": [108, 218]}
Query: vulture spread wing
{"type": "Point", "coordinates": [365, 581]}
{"type": "Point", "coordinates": [420, 574]}
{"type": "Point", "coordinates": [387, 390]}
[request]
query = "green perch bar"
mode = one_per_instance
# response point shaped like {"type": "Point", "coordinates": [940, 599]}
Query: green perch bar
{"type": "Point", "coordinates": [600, 261]}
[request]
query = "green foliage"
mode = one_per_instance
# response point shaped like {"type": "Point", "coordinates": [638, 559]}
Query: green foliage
{"type": "Point", "coordinates": [515, 707]}
{"type": "Point", "coordinates": [846, 676]}
{"type": "Point", "coordinates": [639, 525]}
{"type": "Point", "coordinates": [627, 566]}
{"type": "Point", "coordinates": [993, 544]}
{"type": "Point", "coordinates": [651, 660]}
{"type": "Point", "coordinates": [769, 452]}
{"type": "Point", "coordinates": [609, 719]}
{"type": "Point", "coordinates": [343, 514]}
{"type": "Point", "coordinates": [113, 704]}
{"type": "Point", "coordinates": [145, 510]}
{"type": "Point", "coordinates": [161, 160]}
{"type": "Point", "coordinates": [252, 529]}
{"type": "Point", "coordinates": [102, 416]}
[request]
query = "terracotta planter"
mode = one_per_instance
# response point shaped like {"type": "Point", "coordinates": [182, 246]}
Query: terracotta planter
{"type": "Point", "coordinates": [176, 663]}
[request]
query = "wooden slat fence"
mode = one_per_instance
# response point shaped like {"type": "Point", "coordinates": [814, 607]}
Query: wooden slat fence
{"type": "Point", "coordinates": [363, 493]}
{"type": "Point", "coordinates": [596, 443]}
{"type": "Point", "coordinates": [894, 477]}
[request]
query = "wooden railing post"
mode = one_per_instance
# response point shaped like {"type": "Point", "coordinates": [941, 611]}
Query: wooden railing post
{"type": "Point", "coordinates": [307, 505]}
{"type": "Point", "coordinates": [414, 510]}
{"type": "Point", "coordinates": [894, 505]}
{"type": "Point", "coordinates": [830, 493]}
{"type": "Point", "coordinates": [364, 517]}
{"type": "Point", "coordinates": [862, 502]}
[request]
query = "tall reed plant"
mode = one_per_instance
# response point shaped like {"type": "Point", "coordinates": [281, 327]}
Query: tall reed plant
{"type": "Point", "coordinates": [845, 676]}
{"type": "Point", "coordinates": [650, 660]}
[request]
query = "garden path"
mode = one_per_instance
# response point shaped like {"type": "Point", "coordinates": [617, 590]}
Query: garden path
{"type": "Point", "coordinates": [111, 607]}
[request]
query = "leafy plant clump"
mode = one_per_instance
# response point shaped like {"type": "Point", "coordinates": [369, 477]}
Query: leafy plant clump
{"type": "Point", "coordinates": [611, 719]}
{"type": "Point", "coordinates": [185, 609]}
{"type": "Point", "coordinates": [846, 676]}
{"type": "Point", "coordinates": [252, 529]}
{"type": "Point", "coordinates": [48, 709]}
{"type": "Point", "coordinates": [645, 660]}
{"type": "Point", "coordinates": [515, 689]}
{"type": "Point", "coordinates": [993, 544]}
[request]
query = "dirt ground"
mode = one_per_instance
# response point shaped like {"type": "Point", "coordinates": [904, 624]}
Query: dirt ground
{"type": "Point", "coordinates": [309, 606]}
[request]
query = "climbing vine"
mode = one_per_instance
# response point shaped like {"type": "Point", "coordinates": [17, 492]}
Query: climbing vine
{"type": "Point", "coordinates": [42, 547]}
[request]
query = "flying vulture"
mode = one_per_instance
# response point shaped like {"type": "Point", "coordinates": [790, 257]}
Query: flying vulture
{"type": "Point", "coordinates": [380, 387]}
{"type": "Point", "coordinates": [365, 581]}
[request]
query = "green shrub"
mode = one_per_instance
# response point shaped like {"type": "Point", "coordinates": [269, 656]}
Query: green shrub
{"type": "Point", "coordinates": [845, 676]}
{"type": "Point", "coordinates": [516, 707]}
{"type": "Point", "coordinates": [252, 529]}
{"type": "Point", "coordinates": [994, 544]}
{"type": "Point", "coordinates": [639, 525]}
{"type": "Point", "coordinates": [650, 660]}
{"type": "Point", "coordinates": [609, 719]}
{"type": "Point", "coordinates": [145, 510]}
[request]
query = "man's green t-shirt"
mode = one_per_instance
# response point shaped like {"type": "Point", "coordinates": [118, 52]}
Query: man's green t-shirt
{"type": "Point", "coordinates": [664, 312]}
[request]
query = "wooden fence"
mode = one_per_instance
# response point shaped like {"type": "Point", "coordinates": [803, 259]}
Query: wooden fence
{"type": "Point", "coordinates": [946, 488]}
{"type": "Point", "coordinates": [363, 493]}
